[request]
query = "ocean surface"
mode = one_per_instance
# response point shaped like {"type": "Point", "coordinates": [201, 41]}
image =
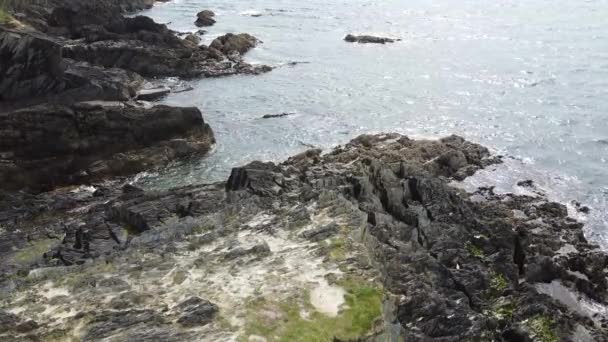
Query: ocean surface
{"type": "Point", "coordinates": [528, 79]}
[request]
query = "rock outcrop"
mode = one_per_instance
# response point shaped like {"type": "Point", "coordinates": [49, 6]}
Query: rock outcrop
{"type": "Point", "coordinates": [36, 72]}
{"type": "Point", "coordinates": [93, 140]}
{"type": "Point", "coordinates": [374, 229]}
{"type": "Point", "coordinates": [231, 43]}
{"type": "Point", "coordinates": [74, 35]}
{"type": "Point", "coordinates": [363, 39]}
{"type": "Point", "coordinates": [31, 65]}
{"type": "Point", "coordinates": [205, 18]}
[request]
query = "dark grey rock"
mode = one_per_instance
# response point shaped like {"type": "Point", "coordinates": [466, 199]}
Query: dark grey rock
{"type": "Point", "coordinates": [230, 43]}
{"type": "Point", "coordinates": [196, 312]}
{"type": "Point", "coordinates": [106, 323]}
{"type": "Point", "coordinates": [363, 39]}
{"type": "Point", "coordinates": [204, 18]}
{"type": "Point", "coordinates": [152, 94]}
{"type": "Point", "coordinates": [93, 140]}
{"type": "Point", "coordinates": [321, 233]}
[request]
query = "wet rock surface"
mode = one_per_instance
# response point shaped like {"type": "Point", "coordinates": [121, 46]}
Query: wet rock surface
{"type": "Point", "coordinates": [73, 51]}
{"type": "Point", "coordinates": [231, 43]}
{"type": "Point", "coordinates": [92, 140]}
{"type": "Point", "coordinates": [364, 39]}
{"type": "Point", "coordinates": [205, 18]}
{"type": "Point", "coordinates": [306, 245]}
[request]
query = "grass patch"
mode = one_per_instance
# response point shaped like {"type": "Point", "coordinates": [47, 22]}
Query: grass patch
{"type": "Point", "coordinates": [498, 283]}
{"type": "Point", "coordinates": [179, 277]}
{"type": "Point", "coordinates": [295, 319]}
{"type": "Point", "coordinates": [542, 328]}
{"type": "Point", "coordinates": [504, 309]}
{"type": "Point", "coordinates": [4, 16]}
{"type": "Point", "coordinates": [473, 250]}
{"type": "Point", "coordinates": [33, 251]}
{"type": "Point", "coordinates": [337, 249]}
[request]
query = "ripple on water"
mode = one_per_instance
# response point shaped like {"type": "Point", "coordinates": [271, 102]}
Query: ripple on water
{"type": "Point", "coordinates": [458, 70]}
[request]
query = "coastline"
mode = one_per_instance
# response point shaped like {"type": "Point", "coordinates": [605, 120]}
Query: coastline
{"type": "Point", "coordinates": [374, 222]}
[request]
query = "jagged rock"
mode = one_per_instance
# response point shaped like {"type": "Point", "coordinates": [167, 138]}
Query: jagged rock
{"type": "Point", "coordinates": [106, 324]}
{"type": "Point", "coordinates": [86, 82]}
{"type": "Point", "coordinates": [320, 233]}
{"type": "Point", "coordinates": [152, 94]}
{"type": "Point", "coordinates": [368, 39]}
{"type": "Point", "coordinates": [196, 312]}
{"type": "Point", "coordinates": [31, 65]}
{"type": "Point", "coordinates": [453, 267]}
{"type": "Point", "coordinates": [230, 43]}
{"type": "Point", "coordinates": [100, 139]}
{"type": "Point", "coordinates": [37, 73]}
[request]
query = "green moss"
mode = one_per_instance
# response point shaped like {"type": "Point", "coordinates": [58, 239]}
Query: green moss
{"type": "Point", "coordinates": [504, 310]}
{"type": "Point", "coordinates": [131, 230]}
{"type": "Point", "coordinates": [283, 320]}
{"type": "Point", "coordinates": [542, 328]}
{"type": "Point", "coordinates": [58, 335]}
{"type": "Point", "coordinates": [33, 251]}
{"type": "Point", "coordinates": [179, 277]}
{"type": "Point", "coordinates": [337, 249]}
{"type": "Point", "coordinates": [4, 17]}
{"type": "Point", "coordinates": [498, 283]}
{"type": "Point", "coordinates": [202, 229]}
{"type": "Point", "coordinates": [474, 250]}
{"type": "Point", "coordinates": [225, 324]}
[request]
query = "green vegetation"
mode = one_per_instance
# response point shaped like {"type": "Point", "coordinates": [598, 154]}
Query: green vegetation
{"type": "Point", "coordinates": [504, 309]}
{"type": "Point", "coordinates": [284, 321]}
{"type": "Point", "coordinates": [33, 251]}
{"type": "Point", "coordinates": [336, 248]}
{"type": "Point", "coordinates": [179, 277]}
{"type": "Point", "coordinates": [4, 16]}
{"type": "Point", "coordinates": [474, 250]}
{"type": "Point", "coordinates": [202, 229]}
{"type": "Point", "coordinates": [498, 283]}
{"type": "Point", "coordinates": [542, 328]}
{"type": "Point", "coordinates": [225, 324]}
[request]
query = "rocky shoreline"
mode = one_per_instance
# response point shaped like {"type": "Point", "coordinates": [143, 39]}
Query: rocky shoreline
{"type": "Point", "coordinates": [373, 229]}
{"type": "Point", "coordinates": [371, 241]}
{"type": "Point", "coordinates": [73, 94]}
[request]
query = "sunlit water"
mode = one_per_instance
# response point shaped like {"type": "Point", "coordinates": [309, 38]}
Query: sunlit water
{"type": "Point", "coordinates": [529, 79]}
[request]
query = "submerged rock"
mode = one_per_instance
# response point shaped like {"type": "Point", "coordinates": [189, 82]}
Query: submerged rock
{"type": "Point", "coordinates": [205, 18]}
{"type": "Point", "coordinates": [368, 39]}
{"type": "Point", "coordinates": [271, 116]}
